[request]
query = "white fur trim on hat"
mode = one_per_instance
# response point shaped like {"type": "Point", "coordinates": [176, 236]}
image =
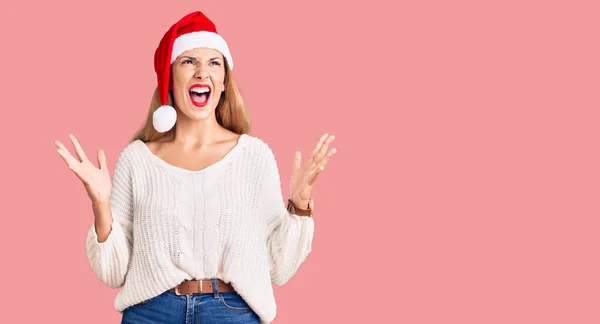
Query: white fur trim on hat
{"type": "Point", "coordinates": [198, 39]}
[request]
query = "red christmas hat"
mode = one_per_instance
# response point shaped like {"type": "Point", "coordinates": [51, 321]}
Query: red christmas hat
{"type": "Point", "coordinates": [192, 31]}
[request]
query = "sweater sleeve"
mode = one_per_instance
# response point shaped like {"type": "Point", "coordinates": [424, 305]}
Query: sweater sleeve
{"type": "Point", "coordinates": [290, 236]}
{"type": "Point", "coordinates": [109, 260]}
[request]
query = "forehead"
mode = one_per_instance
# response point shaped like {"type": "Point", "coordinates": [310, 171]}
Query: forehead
{"type": "Point", "coordinates": [202, 53]}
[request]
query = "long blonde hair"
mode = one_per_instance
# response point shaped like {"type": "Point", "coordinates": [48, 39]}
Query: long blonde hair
{"type": "Point", "coordinates": [230, 113]}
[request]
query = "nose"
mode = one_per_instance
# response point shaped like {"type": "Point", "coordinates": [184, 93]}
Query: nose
{"type": "Point", "coordinates": [202, 73]}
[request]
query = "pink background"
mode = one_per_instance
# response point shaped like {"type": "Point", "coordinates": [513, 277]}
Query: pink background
{"type": "Point", "coordinates": [465, 188]}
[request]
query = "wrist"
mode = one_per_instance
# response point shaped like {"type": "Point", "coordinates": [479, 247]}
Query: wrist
{"type": "Point", "coordinates": [101, 203]}
{"type": "Point", "coordinates": [102, 212]}
{"type": "Point", "coordinates": [301, 203]}
{"type": "Point", "coordinates": [300, 210]}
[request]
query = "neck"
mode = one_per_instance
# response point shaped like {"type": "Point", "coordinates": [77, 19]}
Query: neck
{"type": "Point", "coordinates": [198, 132]}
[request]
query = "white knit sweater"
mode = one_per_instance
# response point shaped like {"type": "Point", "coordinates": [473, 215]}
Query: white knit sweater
{"type": "Point", "coordinates": [227, 221]}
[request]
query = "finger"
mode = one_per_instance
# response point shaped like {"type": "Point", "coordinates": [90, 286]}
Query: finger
{"type": "Point", "coordinates": [78, 149]}
{"type": "Point", "coordinates": [326, 158]}
{"type": "Point", "coordinates": [60, 145]}
{"type": "Point", "coordinates": [317, 147]}
{"type": "Point", "coordinates": [324, 147]}
{"type": "Point", "coordinates": [102, 160]}
{"type": "Point", "coordinates": [69, 159]}
{"type": "Point", "coordinates": [314, 175]}
{"type": "Point", "coordinates": [71, 162]}
{"type": "Point", "coordinates": [297, 161]}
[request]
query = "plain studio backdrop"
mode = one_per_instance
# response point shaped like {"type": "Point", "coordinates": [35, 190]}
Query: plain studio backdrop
{"type": "Point", "coordinates": [465, 188]}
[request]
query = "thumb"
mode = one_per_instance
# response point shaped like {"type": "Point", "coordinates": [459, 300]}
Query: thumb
{"type": "Point", "coordinates": [102, 161]}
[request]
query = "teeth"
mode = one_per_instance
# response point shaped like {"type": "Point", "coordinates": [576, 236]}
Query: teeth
{"type": "Point", "coordinates": [200, 90]}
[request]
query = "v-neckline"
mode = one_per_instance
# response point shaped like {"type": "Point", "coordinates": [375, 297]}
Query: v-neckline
{"type": "Point", "coordinates": [158, 160]}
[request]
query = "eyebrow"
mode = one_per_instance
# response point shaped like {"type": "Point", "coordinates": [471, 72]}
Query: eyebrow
{"type": "Point", "coordinates": [196, 59]}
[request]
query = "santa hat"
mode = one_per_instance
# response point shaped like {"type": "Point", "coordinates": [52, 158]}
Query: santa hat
{"type": "Point", "coordinates": [192, 31]}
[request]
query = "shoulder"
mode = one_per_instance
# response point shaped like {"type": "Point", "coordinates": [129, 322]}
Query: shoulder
{"type": "Point", "coordinates": [132, 148]}
{"type": "Point", "coordinates": [262, 157]}
{"type": "Point", "coordinates": [259, 148]}
{"type": "Point", "coordinates": [130, 153]}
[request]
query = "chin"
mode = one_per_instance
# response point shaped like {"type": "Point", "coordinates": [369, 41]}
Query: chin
{"type": "Point", "coordinates": [197, 113]}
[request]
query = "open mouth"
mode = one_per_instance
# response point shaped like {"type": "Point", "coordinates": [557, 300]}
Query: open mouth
{"type": "Point", "coordinates": [200, 94]}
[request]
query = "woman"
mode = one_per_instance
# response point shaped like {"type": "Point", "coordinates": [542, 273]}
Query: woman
{"type": "Point", "coordinates": [193, 226]}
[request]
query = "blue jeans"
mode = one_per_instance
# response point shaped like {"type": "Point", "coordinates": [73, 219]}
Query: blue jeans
{"type": "Point", "coordinates": [169, 308]}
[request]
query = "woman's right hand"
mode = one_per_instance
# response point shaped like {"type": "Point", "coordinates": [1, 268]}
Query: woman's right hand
{"type": "Point", "coordinates": [96, 181]}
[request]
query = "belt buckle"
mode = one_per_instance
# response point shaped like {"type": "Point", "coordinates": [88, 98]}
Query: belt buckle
{"type": "Point", "coordinates": [177, 292]}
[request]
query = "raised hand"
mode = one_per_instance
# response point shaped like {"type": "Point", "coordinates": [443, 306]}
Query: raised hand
{"type": "Point", "coordinates": [96, 181]}
{"type": "Point", "coordinates": [304, 177]}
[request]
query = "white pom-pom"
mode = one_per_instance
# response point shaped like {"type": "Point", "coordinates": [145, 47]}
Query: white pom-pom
{"type": "Point", "coordinates": [164, 118]}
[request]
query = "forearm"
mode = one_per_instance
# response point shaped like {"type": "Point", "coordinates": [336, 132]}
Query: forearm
{"type": "Point", "coordinates": [102, 219]}
{"type": "Point", "coordinates": [109, 244]}
{"type": "Point", "coordinates": [289, 245]}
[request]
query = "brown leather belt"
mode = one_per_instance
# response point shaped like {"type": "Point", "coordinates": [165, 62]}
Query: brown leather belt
{"type": "Point", "coordinates": [201, 287]}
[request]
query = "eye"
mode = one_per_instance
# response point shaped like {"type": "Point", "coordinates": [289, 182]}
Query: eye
{"type": "Point", "coordinates": [187, 61]}
{"type": "Point", "coordinates": [216, 63]}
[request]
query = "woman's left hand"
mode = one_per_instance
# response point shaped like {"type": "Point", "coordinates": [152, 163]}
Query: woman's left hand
{"type": "Point", "coordinates": [304, 177]}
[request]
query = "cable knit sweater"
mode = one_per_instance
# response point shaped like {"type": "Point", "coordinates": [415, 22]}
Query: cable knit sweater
{"type": "Point", "coordinates": [227, 221]}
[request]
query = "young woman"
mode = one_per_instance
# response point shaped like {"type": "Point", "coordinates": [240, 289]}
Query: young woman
{"type": "Point", "coordinates": [193, 227]}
